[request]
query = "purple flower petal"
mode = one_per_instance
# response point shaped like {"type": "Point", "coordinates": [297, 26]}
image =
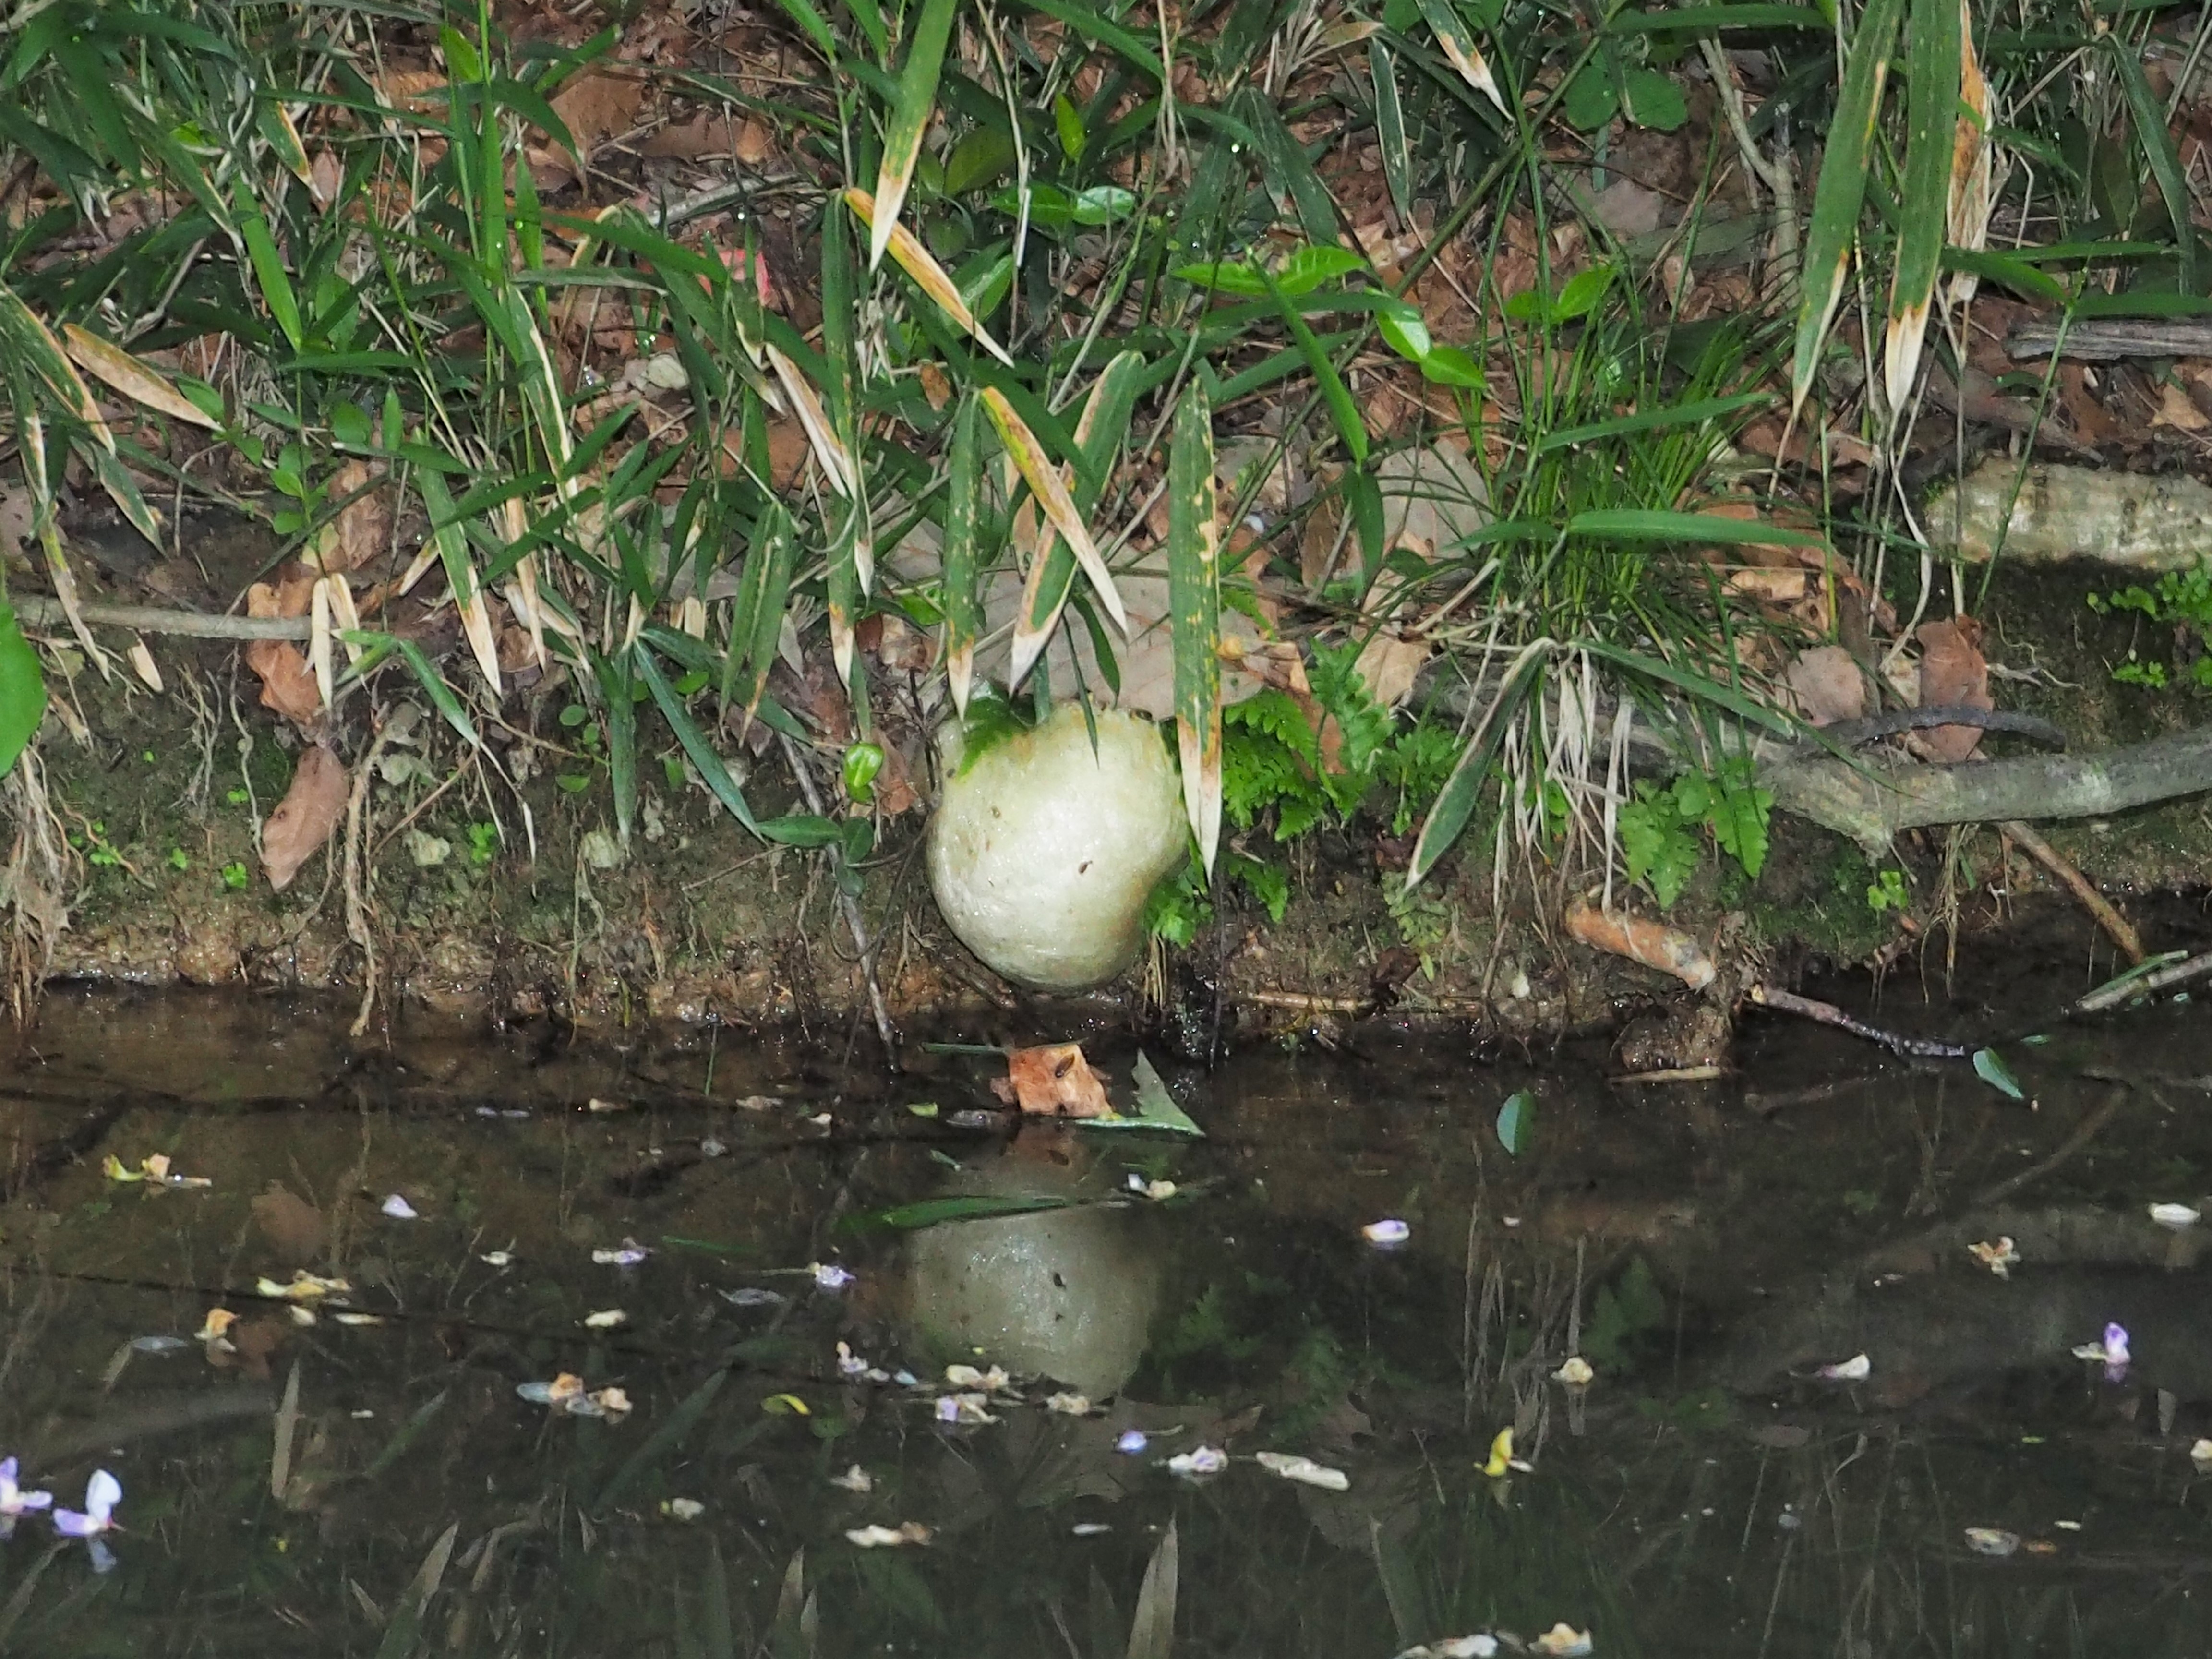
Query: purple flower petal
{"type": "Point", "coordinates": [1131, 1442]}
{"type": "Point", "coordinates": [2116, 1344]}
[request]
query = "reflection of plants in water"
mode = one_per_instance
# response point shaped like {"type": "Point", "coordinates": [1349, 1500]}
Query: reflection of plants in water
{"type": "Point", "coordinates": [1621, 1311]}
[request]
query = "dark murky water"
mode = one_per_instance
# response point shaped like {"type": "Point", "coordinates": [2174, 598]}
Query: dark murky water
{"type": "Point", "coordinates": [1704, 1248]}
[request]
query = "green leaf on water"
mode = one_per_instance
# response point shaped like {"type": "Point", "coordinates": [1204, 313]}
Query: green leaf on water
{"type": "Point", "coordinates": [1989, 1067]}
{"type": "Point", "coordinates": [931, 1212]}
{"type": "Point", "coordinates": [1156, 1108]}
{"type": "Point", "coordinates": [1514, 1121]}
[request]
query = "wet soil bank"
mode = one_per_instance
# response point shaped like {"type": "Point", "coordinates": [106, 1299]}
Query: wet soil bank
{"type": "Point", "coordinates": [480, 898]}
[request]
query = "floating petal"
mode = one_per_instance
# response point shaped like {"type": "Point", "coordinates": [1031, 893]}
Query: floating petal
{"type": "Point", "coordinates": [1305, 1471]}
{"type": "Point", "coordinates": [1386, 1232]}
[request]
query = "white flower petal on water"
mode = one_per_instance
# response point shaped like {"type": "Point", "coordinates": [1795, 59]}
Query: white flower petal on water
{"type": "Point", "coordinates": [682, 1509]}
{"type": "Point", "coordinates": [872, 1538]}
{"type": "Point", "coordinates": [1199, 1459]}
{"type": "Point", "coordinates": [967, 1408]}
{"type": "Point", "coordinates": [628, 1255]}
{"type": "Point", "coordinates": [2201, 1454]}
{"type": "Point", "coordinates": [2176, 1216]}
{"type": "Point", "coordinates": [606, 1320]}
{"type": "Point", "coordinates": [497, 1258]}
{"type": "Point", "coordinates": [1856, 1369]}
{"type": "Point", "coordinates": [1991, 1540]}
{"type": "Point", "coordinates": [855, 1478]}
{"type": "Point", "coordinates": [1131, 1442]}
{"type": "Point", "coordinates": [829, 1277]}
{"type": "Point", "coordinates": [1089, 1529]}
{"type": "Point", "coordinates": [1305, 1471]}
{"type": "Point", "coordinates": [1386, 1232]}
{"type": "Point", "coordinates": [1576, 1373]}
{"type": "Point", "coordinates": [995, 1380]}
{"type": "Point", "coordinates": [2000, 1257]}
{"type": "Point", "coordinates": [1480, 1646]}
{"type": "Point", "coordinates": [1068, 1405]}
{"type": "Point", "coordinates": [399, 1209]}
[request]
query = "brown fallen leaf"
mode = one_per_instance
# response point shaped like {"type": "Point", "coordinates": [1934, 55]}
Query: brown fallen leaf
{"type": "Point", "coordinates": [362, 530]}
{"type": "Point", "coordinates": [1953, 673]}
{"type": "Point", "coordinates": [1827, 684]}
{"type": "Point", "coordinates": [1054, 1081]}
{"type": "Point", "coordinates": [288, 685]}
{"type": "Point", "coordinates": [304, 819]}
{"type": "Point", "coordinates": [296, 1229]}
{"type": "Point", "coordinates": [595, 105]}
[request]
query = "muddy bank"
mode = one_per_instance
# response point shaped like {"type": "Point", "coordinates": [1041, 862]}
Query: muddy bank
{"type": "Point", "coordinates": [478, 898]}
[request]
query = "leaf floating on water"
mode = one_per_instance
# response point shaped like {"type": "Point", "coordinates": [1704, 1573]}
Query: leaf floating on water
{"type": "Point", "coordinates": [1513, 1122]}
{"type": "Point", "coordinates": [2176, 1216]}
{"type": "Point", "coordinates": [1155, 1107]}
{"type": "Point", "coordinates": [1305, 1471]}
{"type": "Point", "coordinates": [2000, 1258]}
{"type": "Point", "coordinates": [1052, 1080]}
{"type": "Point", "coordinates": [1856, 1369]}
{"type": "Point", "coordinates": [1991, 1540]}
{"type": "Point", "coordinates": [1989, 1067]}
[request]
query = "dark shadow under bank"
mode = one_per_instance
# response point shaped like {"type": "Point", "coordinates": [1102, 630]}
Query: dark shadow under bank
{"type": "Point", "coordinates": [1705, 1248]}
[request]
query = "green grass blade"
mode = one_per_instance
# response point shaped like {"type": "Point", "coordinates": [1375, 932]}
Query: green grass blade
{"type": "Point", "coordinates": [963, 596]}
{"type": "Point", "coordinates": [1455, 802]}
{"type": "Point", "coordinates": [1341, 409]}
{"type": "Point", "coordinates": [1841, 192]}
{"type": "Point", "coordinates": [1655, 523]}
{"type": "Point", "coordinates": [917, 97]}
{"type": "Point", "coordinates": [1390, 130]}
{"type": "Point", "coordinates": [1084, 21]}
{"type": "Point", "coordinates": [719, 780]}
{"type": "Point", "coordinates": [1702, 687]}
{"type": "Point", "coordinates": [1194, 616]}
{"type": "Point", "coordinates": [621, 741]}
{"type": "Point", "coordinates": [269, 272]}
{"type": "Point", "coordinates": [1651, 420]}
{"type": "Point", "coordinates": [1932, 81]}
{"type": "Point", "coordinates": [22, 689]}
{"type": "Point", "coordinates": [2149, 118]}
{"type": "Point", "coordinates": [1288, 171]}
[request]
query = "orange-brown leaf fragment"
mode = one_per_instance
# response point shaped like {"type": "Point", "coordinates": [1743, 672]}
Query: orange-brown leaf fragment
{"type": "Point", "coordinates": [1640, 939]}
{"type": "Point", "coordinates": [287, 685]}
{"type": "Point", "coordinates": [295, 1231]}
{"type": "Point", "coordinates": [304, 819]}
{"type": "Point", "coordinates": [1953, 673]}
{"type": "Point", "coordinates": [1054, 1081]}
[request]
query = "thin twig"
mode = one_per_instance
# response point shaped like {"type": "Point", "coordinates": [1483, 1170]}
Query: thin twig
{"type": "Point", "coordinates": [2078, 885]}
{"type": "Point", "coordinates": [1789, 1002]}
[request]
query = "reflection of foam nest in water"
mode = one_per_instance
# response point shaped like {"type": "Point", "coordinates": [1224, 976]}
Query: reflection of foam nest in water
{"type": "Point", "coordinates": [1068, 1294]}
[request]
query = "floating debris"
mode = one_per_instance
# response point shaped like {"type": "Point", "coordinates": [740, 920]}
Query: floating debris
{"type": "Point", "coordinates": [213, 1328]}
{"type": "Point", "coordinates": [753, 1295]}
{"type": "Point", "coordinates": [2112, 1352]}
{"type": "Point", "coordinates": [681, 1509]}
{"type": "Point", "coordinates": [497, 1258]}
{"type": "Point", "coordinates": [855, 1478]}
{"type": "Point", "coordinates": [1562, 1641]}
{"type": "Point", "coordinates": [995, 1380]}
{"type": "Point", "coordinates": [1131, 1442]}
{"type": "Point", "coordinates": [628, 1255]}
{"type": "Point", "coordinates": [1856, 1369]}
{"type": "Point", "coordinates": [2176, 1216]}
{"type": "Point", "coordinates": [1088, 1529]}
{"type": "Point", "coordinates": [1576, 1373]}
{"type": "Point", "coordinates": [399, 1209]}
{"type": "Point", "coordinates": [597, 1105]}
{"type": "Point", "coordinates": [358, 1320]}
{"type": "Point", "coordinates": [964, 1409]}
{"type": "Point", "coordinates": [153, 1170]}
{"type": "Point", "coordinates": [1068, 1405]}
{"type": "Point", "coordinates": [305, 1287]}
{"type": "Point", "coordinates": [872, 1538]}
{"type": "Point", "coordinates": [15, 1501]}
{"type": "Point", "coordinates": [606, 1320]}
{"type": "Point", "coordinates": [2201, 1454]}
{"type": "Point", "coordinates": [1481, 1645]}
{"type": "Point", "coordinates": [1199, 1461]}
{"type": "Point", "coordinates": [1502, 1458]}
{"type": "Point", "coordinates": [566, 1393]}
{"type": "Point", "coordinates": [101, 1494]}
{"type": "Point", "coordinates": [2000, 1258]}
{"type": "Point", "coordinates": [1305, 1471]}
{"type": "Point", "coordinates": [158, 1344]}
{"type": "Point", "coordinates": [1154, 1190]}
{"type": "Point", "coordinates": [1991, 1540]}
{"type": "Point", "coordinates": [828, 1276]}
{"type": "Point", "coordinates": [1386, 1233]}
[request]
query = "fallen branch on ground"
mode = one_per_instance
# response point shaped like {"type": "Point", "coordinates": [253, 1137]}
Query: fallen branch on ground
{"type": "Point", "coordinates": [42, 611]}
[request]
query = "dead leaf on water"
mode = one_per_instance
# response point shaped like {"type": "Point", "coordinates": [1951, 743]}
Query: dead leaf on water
{"type": "Point", "coordinates": [304, 819]}
{"type": "Point", "coordinates": [294, 1228]}
{"type": "Point", "coordinates": [1053, 1080]}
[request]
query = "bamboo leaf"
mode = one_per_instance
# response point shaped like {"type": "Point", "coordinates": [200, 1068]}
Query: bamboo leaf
{"type": "Point", "coordinates": [1841, 192]}
{"type": "Point", "coordinates": [1654, 524]}
{"type": "Point", "coordinates": [836, 465]}
{"type": "Point", "coordinates": [24, 338]}
{"type": "Point", "coordinates": [1455, 802]}
{"type": "Point", "coordinates": [919, 263]}
{"type": "Point", "coordinates": [1458, 46]}
{"type": "Point", "coordinates": [1932, 82]}
{"type": "Point", "coordinates": [452, 545]}
{"type": "Point", "coordinates": [963, 598]}
{"type": "Point", "coordinates": [2149, 119]}
{"type": "Point", "coordinates": [1194, 613]}
{"type": "Point", "coordinates": [1052, 497]}
{"type": "Point", "coordinates": [917, 97]}
{"type": "Point", "coordinates": [1967, 223]}
{"type": "Point", "coordinates": [269, 272]}
{"type": "Point", "coordinates": [130, 377]}
{"type": "Point", "coordinates": [1098, 434]}
{"type": "Point", "coordinates": [22, 689]}
{"type": "Point", "coordinates": [1390, 130]}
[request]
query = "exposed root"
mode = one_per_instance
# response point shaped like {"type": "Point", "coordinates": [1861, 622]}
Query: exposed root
{"type": "Point", "coordinates": [2075, 883]}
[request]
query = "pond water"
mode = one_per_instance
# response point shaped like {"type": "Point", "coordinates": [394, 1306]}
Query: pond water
{"type": "Point", "coordinates": [347, 1487]}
